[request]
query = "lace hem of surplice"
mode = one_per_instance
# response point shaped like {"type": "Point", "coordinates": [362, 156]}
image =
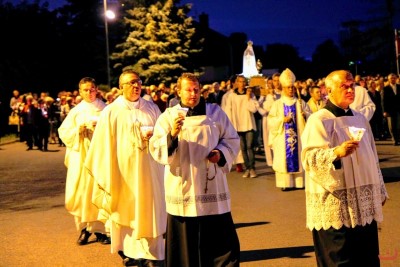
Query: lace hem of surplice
{"type": "Point", "coordinates": [338, 206]}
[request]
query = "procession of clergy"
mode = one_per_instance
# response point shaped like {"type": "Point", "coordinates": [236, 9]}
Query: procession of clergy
{"type": "Point", "coordinates": [153, 184]}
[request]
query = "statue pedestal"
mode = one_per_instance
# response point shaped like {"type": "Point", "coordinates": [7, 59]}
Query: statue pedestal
{"type": "Point", "coordinates": [258, 83]}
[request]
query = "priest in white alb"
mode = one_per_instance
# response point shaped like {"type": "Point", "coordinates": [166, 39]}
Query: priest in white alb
{"type": "Point", "coordinates": [130, 181]}
{"type": "Point", "coordinates": [76, 132]}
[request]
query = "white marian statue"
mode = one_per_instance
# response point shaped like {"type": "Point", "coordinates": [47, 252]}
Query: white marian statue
{"type": "Point", "coordinates": [249, 61]}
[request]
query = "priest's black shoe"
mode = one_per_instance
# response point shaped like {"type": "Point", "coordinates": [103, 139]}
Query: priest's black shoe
{"type": "Point", "coordinates": [84, 237]}
{"type": "Point", "coordinates": [286, 189]}
{"type": "Point", "coordinates": [103, 239]}
{"type": "Point", "coordinates": [151, 263]}
{"type": "Point", "coordinates": [131, 262]}
{"type": "Point", "coordinates": [122, 255]}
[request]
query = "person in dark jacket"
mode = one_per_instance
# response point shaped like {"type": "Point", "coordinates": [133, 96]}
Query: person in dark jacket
{"type": "Point", "coordinates": [391, 107]}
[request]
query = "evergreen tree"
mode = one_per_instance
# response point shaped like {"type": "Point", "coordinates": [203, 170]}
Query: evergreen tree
{"type": "Point", "coordinates": [159, 44]}
{"type": "Point", "coordinates": [29, 47]}
{"type": "Point", "coordinates": [129, 4]}
{"type": "Point", "coordinates": [327, 58]}
{"type": "Point", "coordinates": [85, 39]}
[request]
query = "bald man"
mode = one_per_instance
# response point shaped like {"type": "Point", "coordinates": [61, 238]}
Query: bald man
{"type": "Point", "coordinates": [344, 189]}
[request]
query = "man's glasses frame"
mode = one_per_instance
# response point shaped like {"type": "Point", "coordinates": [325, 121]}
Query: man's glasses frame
{"type": "Point", "coordinates": [133, 82]}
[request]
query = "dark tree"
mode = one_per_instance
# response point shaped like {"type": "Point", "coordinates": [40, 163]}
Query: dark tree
{"type": "Point", "coordinates": [159, 45]}
{"type": "Point", "coordinates": [282, 56]}
{"type": "Point", "coordinates": [31, 40]}
{"type": "Point", "coordinates": [370, 40]}
{"type": "Point", "coordinates": [327, 58]}
{"type": "Point", "coordinates": [84, 37]}
{"type": "Point", "coordinates": [238, 42]}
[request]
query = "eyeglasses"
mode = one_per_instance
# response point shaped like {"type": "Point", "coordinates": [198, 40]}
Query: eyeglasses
{"type": "Point", "coordinates": [347, 86]}
{"type": "Point", "coordinates": [134, 82]}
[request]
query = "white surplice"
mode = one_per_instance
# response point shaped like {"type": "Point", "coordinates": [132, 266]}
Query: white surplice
{"type": "Point", "coordinates": [193, 185]}
{"type": "Point", "coordinates": [264, 109]}
{"type": "Point", "coordinates": [130, 181]}
{"type": "Point", "coordinates": [228, 111]}
{"type": "Point", "coordinates": [315, 106]}
{"type": "Point", "coordinates": [363, 103]}
{"type": "Point", "coordinates": [240, 109]}
{"type": "Point", "coordinates": [79, 185]}
{"type": "Point", "coordinates": [351, 195]}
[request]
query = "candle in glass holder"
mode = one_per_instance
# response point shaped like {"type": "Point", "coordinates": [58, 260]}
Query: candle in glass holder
{"type": "Point", "coordinates": [356, 133]}
{"type": "Point", "coordinates": [183, 111]}
{"type": "Point", "coordinates": [92, 122]}
{"type": "Point", "coordinates": [146, 131]}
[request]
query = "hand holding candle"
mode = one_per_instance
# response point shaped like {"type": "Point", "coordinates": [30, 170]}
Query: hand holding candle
{"type": "Point", "coordinates": [92, 122]}
{"type": "Point", "coordinates": [182, 112]}
{"type": "Point", "coordinates": [356, 133]}
{"type": "Point", "coordinates": [178, 122]}
{"type": "Point", "coordinates": [147, 132]}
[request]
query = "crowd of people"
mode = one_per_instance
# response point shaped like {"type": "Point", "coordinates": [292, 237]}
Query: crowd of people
{"type": "Point", "coordinates": [34, 126]}
{"type": "Point", "coordinates": [147, 165]}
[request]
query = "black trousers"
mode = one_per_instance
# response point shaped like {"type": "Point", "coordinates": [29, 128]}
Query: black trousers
{"type": "Point", "coordinates": [44, 133]}
{"type": "Point", "coordinates": [394, 126]}
{"type": "Point", "coordinates": [205, 241]}
{"type": "Point", "coordinates": [31, 135]}
{"type": "Point", "coordinates": [347, 247]}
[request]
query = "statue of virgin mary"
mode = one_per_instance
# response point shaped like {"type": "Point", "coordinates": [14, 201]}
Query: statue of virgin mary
{"type": "Point", "coordinates": [249, 61]}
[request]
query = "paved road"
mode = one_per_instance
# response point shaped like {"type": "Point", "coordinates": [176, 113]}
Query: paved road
{"type": "Point", "coordinates": [36, 230]}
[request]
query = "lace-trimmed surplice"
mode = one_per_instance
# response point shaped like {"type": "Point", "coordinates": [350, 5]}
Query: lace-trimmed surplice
{"type": "Point", "coordinates": [351, 194]}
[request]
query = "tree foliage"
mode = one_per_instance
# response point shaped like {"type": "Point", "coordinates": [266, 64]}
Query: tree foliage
{"type": "Point", "coordinates": [282, 56]}
{"type": "Point", "coordinates": [371, 40]}
{"type": "Point", "coordinates": [159, 44]}
{"type": "Point", "coordinates": [84, 37]}
{"type": "Point", "coordinates": [50, 50]}
{"type": "Point", "coordinates": [30, 38]}
{"type": "Point", "coordinates": [327, 58]}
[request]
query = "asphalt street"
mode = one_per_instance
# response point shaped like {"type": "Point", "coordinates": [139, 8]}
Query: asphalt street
{"type": "Point", "coordinates": [36, 230]}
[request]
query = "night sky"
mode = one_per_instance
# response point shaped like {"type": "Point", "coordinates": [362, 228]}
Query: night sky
{"type": "Point", "coordinates": [302, 23]}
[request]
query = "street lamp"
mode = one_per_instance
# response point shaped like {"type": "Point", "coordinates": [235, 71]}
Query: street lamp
{"type": "Point", "coordinates": [108, 14]}
{"type": "Point", "coordinates": [351, 63]}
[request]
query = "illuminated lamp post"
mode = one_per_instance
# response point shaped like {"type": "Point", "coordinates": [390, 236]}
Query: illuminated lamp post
{"type": "Point", "coordinates": [351, 63]}
{"type": "Point", "coordinates": [108, 14]}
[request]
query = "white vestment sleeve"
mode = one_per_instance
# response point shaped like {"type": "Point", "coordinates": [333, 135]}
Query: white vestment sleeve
{"type": "Point", "coordinates": [318, 158]}
{"type": "Point", "coordinates": [69, 131]}
{"type": "Point", "coordinates": [102, 153]}
{"type": "Point", "coordinates": [229, 142]}
{"type": "Point", "coordinates": [363, 103]}
{"type": "Point", "coordinates": [275, 118]}
{"type": "Point", "coordinates": [252, 104]}
{"type": "Point", "coordinates": [306, 109]}
{"type": "Point", "coordinates": [159, 142]}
